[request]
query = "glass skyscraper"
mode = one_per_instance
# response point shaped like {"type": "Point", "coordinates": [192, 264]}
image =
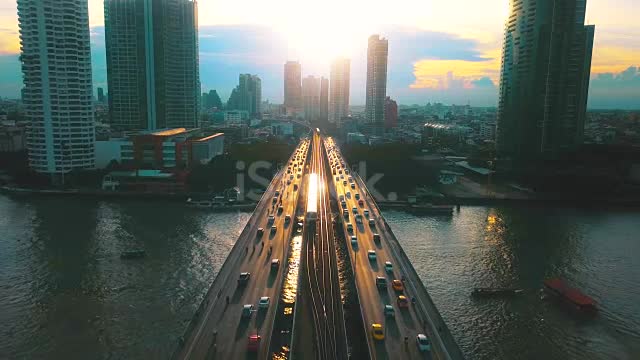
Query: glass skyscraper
{"type": "Point", "coordinates": [152, 63]}
{"type": "Point", "coordinates": [546, 63]}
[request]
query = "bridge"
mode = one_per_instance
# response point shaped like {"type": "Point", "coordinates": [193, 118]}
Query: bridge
{"type": "Point", "coordinates": [279, 295]}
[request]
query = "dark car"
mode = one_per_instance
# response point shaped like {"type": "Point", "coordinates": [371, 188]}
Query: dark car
{"type": "Point", "coordinates": [244, 278]}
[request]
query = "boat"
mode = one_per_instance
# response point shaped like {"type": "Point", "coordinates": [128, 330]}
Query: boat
{"type": "Point", "coordinates": [430, 209]}
{"type": "Point", "coordinates": [200, 204]}
{"type": "Point", "coordinates": [490, 292]}
{"type": "Point", "coordinates": [574, 297]}
{"type": "Point", "coordinates": [133, 254]}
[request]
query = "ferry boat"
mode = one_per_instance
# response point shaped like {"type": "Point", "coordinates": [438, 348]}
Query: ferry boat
{"type": "Point", "coordinates": [571, 296]}
{"type": "Point", "coordinates": [488, 292]}
{"type": "Point", "coordinates": [133, 254]}
{"type": "Point", "coordinates": [430, 209]}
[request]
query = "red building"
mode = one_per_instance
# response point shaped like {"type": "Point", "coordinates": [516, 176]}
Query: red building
{"type": "Point", "coordinates": [390, 113]}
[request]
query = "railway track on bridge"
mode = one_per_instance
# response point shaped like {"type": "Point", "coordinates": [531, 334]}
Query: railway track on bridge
{"type": "Point", "coordinates": [321, 267]}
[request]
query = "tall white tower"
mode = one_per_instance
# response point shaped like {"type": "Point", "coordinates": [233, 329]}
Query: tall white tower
{"type": "Point", "coordinates": [56, 64]}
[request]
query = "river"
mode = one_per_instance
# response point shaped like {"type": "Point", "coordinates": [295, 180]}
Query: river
{"type": "Point", "coordinates": [65, 293]}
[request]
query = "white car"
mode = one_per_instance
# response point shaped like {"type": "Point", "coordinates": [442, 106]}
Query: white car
{"type": "Point", "coordinates": [354, 241]}
{"type": "Point", "coordinates": [423, 342]}
{"type": "Point", "coordinates": [372, 255]}
{"type": "Point", "coordinates": [263, 303]}
{"type": "Point", "coordinates": [388, 266]}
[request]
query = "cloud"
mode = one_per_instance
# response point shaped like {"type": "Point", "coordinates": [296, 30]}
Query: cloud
{"type": "Point", "coordinates": [617, 90]}
{"type": "Point", "coordinates": [483, 82]}
{"type": "Point", "coordinates": [457, 74]}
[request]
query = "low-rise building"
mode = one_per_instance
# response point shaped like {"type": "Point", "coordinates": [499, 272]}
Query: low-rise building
{"type": "Point", "coordinates": [162, 149]}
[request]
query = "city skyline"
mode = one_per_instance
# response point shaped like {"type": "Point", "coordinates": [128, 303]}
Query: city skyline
{"type": "Point", "coordinates": [453, 64]}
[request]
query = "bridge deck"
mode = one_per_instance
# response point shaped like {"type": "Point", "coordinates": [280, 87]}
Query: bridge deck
{"type": "Point", "coordinates": [218, 330]}
{"type": "Point", "coordinates": [421, 317]}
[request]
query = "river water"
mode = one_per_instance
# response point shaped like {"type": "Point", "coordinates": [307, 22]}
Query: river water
{"type": "Point", "coordinates": [65, 293]}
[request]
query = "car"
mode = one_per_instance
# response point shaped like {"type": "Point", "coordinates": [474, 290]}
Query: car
{"type": "Point", "coordinates": [295, 187]}
{"type": "Point", "coordinates": [359, 218]}
{"type": "Point", "coordinates": [247, 310]}
{"type": "Point", "coordinates": [345, 213]}
{"type": "Point", "coordinates": [260, 231]}
{"type": "Point", "coordinates": [354, 241]}
{"type": "Point", "coordinates": [274, 229]}
{"type": "Point", "coordinates": [377, 331]}
{"type": "Point", "coordinates": [389, 311]}
{"type": "Point", "coordinates": [381, 282]}
{"type": "Point", "coordinates": [360, 203]}
{"type": "Point", "coordinates": [343, 204]}
{"type": "Point", "coordinates": [280, 209]}
{"type": "Point", "coordinates": [287, 218]}
{"type": "Point", "coordinates": [372, 255]}
{"type": "Point", "coordinates": [342, 178]}
{"type": "Point", "coordinates": [337, 178]}
{"type": "Point", "coordinates": [402, 301]}
{"type": "Point", "coordinates": [357, 195]}
{"type": "Point", "coordinates": [354, 210]}
{"type": "Point", "coordinates": [344, 183]}
{"type": "Point", "coordinates": [275, 263]}
{"type": "Point", "coordinates": [397, 285]}
{"type": "Point", "coordinates": [349, 227]}
{"type": "Point", "coordinates": [366, 213]}
{"type": "Point", "coordinates": [341, 197]}
{"type": "Point", "coordinates": [288, 182]}
{"type": "Point", "coordinates": [263, 303]}
{"type": "Point", "coordinates": [423, 342]}
{"type": "Point", "coordinates": [348, 194]}
{"type": "Point", "coordinates": [253, 344]}
{"type": "Point", "coordinates": [275, 200]}
{"type": "Point", "coordinates": [271, 219]}
{"type": "Point", "coordinates": [388, 266]}
{"type": "Point", "coordinates": [277, 193]}
{"type": "Point", "coordinates": [376, 237]}
{"type": "Point", "coordinates": [244, 278]}
{"type": "Point", "coordinates": [353, 185]}
{"type": "Point", "coordinates": [372, 222]}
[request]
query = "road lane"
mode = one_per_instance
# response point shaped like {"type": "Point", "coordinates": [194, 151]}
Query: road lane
{"type": "Point", "coordinates": [220, 332]}
{"type": "Point", "coordinates": [406, 322]}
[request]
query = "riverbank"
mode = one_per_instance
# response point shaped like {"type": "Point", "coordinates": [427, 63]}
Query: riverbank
{"type": "Point", "coordinates": [584, 202]}
{"type": "Point", "coordinates": [538, 200]}
{"type": "Point", "coordinates": [109, 195]}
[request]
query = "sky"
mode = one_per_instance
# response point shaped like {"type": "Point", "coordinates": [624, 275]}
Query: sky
{"type": "Point", "coordinates": [439, 50]}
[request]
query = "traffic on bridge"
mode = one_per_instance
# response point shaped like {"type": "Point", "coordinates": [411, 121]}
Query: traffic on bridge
{"type": "Point", "coordinates": [243, 315]}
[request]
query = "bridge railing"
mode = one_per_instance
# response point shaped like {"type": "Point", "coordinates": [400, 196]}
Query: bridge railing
{"type": "Point", "coordinates": [451, 350]}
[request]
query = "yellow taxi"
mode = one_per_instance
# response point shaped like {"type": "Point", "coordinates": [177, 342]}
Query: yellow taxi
{"type": "Point", "coordinates": [377, 331]}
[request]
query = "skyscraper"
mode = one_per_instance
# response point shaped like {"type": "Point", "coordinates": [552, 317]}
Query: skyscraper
{"type": "Point", "coordinates": [546, 62]}
{"type": "Point", "coordinates": [390, 113]}
{"type": "Point", "coordinates": [152, 63]}
{"type": "Point", "coordinates": [247, 96]}
{"type": "Point", "coordinates": [324, 101]}
{"type": "Point", "coordinates": [58, 96]}
{"type": "Point", "coordinates": [100, 95]}
{"type": "Point", "coordinates": [339, 91]}
{"type": "Point", "coordinates": [311, 98]}
{"type": "Point", "coordinates": [377, 53]}
{"type": "Point", "coordinates": [292, 87]}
